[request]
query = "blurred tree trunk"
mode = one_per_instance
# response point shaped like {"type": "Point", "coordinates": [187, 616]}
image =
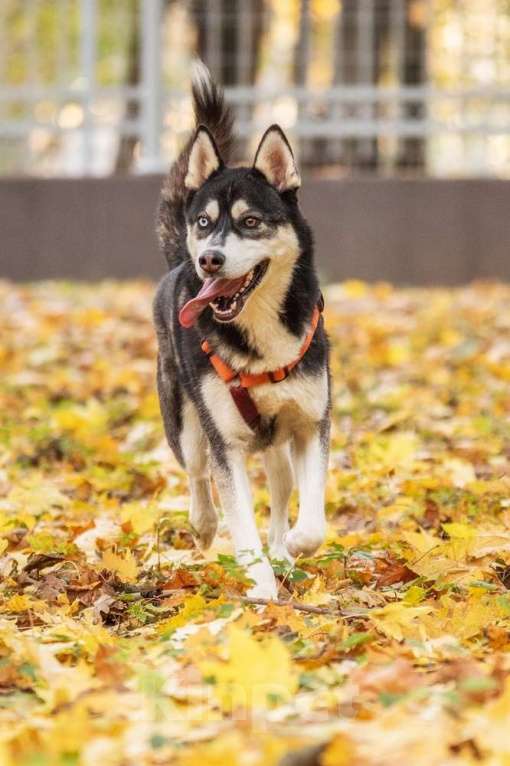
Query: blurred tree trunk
{"type": "Point", "coordinates": [127, 144]}
{"type": "Point", "coordinates": [310, 151]}
{"type": "Point", "coordinates": [350, 70]}
{"type": "Point", "coordinates": [411, 154]}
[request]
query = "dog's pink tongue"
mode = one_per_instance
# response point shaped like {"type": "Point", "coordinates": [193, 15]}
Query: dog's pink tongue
{"type": "Point", "coordinates": [211, 289]}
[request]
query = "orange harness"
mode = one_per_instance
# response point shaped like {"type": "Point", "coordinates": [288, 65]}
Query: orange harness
{"type": "Point", "coordinates": [239, 391]}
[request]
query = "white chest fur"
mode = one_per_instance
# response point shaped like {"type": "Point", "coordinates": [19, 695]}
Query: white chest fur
{"type": "Point", "coordinates": [298, 403]}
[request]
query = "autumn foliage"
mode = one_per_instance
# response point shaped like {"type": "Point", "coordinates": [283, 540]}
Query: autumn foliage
{"type": "Point", "coordinates": [121, 645]}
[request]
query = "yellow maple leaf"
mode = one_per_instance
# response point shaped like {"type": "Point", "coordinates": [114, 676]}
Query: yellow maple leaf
{"type": "Point", "coordinates": [18, 603]}
{"type": "Point", "coordinates": [459, 531]}
{"type": "Point", "coordinates": [398, 621]}
{"type": "Point", "coordinates": [466, 619]}
{"type": "Point", "coordinates": [339, 752]}
{"type": "Point", "coordinates": [142, 517]}
{"type": "Point", "coordinates": [192, 607]}
{"type": "Point", "coordinates": [123, 566]}
{"type": "Point", "coordinates": [256, 674]}
{"type": "Point", "coordinates": [387, 451]}
{"type": "Point", "coordinates": [433, 558]}
{"type": "Point", "coordinates": [422, 542]}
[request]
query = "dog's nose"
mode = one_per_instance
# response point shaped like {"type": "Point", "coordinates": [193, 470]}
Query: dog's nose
{"type": "Point", "coordinates": [211, 261]}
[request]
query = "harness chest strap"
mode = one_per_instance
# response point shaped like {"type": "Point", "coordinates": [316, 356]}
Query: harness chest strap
{"type": "Point", "coordinates": [239, 391]}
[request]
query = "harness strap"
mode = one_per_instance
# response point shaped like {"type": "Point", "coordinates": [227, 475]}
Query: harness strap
{"type": "Point", "coordinates": [239, 391]}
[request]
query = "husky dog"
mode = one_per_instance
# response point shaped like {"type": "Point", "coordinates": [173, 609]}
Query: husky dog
{"type": "Point", "coordinates": [243, 354]}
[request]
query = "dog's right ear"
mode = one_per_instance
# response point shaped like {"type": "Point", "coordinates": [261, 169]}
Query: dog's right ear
{"type": "Point", "coordinates": [204, 159]}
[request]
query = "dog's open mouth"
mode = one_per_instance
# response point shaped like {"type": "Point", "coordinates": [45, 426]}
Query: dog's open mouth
{"type": "Point", "coordinates": [226, 297]}
{"type": "Point", "coordinates": [226, 307]}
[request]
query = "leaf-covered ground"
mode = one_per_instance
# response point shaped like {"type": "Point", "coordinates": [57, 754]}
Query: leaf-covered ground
{"type": "Point", "coordinates": [121, 646]}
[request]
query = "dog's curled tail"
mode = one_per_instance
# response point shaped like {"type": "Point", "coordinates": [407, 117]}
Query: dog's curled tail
{"type": "Point", "coordinates": [210, 110]}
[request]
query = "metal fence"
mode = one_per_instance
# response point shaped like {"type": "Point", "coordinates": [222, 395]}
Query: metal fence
{"type": "Point", "coordinates": [388, 86]}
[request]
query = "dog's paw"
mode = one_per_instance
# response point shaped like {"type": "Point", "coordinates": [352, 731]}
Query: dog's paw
{"type": "Point", "coordinates": [303, 541]}
{"type": "Point", "coordinates": [279, 552]}
{"type": "Point", "coordinates": [263, 590]}
{"type": "Point", "coordinates": [204, 530]}
{"type": "Point", "coordinates": [264, 581]}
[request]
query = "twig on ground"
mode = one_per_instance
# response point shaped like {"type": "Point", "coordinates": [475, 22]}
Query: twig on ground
{"type": "Point", "coordinates": [296, 605]}
{"type": "Point", "coordinates": [154, 588]}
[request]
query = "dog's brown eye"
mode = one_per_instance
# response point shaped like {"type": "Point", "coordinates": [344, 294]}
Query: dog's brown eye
{"type": "Point", "coordinates": [203, 221]}
{"type": "Point", "coordinates": [251, 222]}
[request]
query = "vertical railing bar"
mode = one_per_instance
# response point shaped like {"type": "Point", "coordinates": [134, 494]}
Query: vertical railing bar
{"type": "Point", "coordinates": [335, 146]}
{"type": "Point", "coordinates": [365, 58]}
{"type": "Point", "coordinates": [245, 41]}
{"type": "Point", "coordinates": [425, 107]}
{"type": "Point", "coordinates": [245, 31]}
{"type": "Point", "coordinates": [62, 41]}
{"type": "Point", "coordinates": [121, 14]}
{"type": "Point", "coordinates": [464, 69]}
{"type": "Point", "coordinates": [32, 51]}
{"type": "Point", "coordinates": [365, 41]}
{"type": "Point", "coordinates": [338, 51]}
{"type": "Point", "coordinates": [4, 50]}
{"type": "Point", "coordinates": [88, 50]}
{"type": "Point", "coordinates": [397, 36]}
{"type": "Point", "coordinates": [303, 51]}
{"type": "Point", "coordinates": [301, 65]}
{"type": "Point", "coordinates": [213, 37]}
{"type": "Point", "coordinates": [398, 29]}
{"type": "Point", "coordinates": [151, 19]}
{"type": "Point", "coordinates": [30, 14]}
{"type": "Point", "coordinates": [4, 53]}
{"type": "Point", "coordinates": [62, 52]}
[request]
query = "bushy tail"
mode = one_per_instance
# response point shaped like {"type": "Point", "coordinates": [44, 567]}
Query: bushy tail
{"type": "Point", "coordinates": [210, 110]}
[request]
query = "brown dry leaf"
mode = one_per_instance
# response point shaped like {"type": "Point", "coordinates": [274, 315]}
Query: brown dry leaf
{"type": "Point", "coordinates": [395, 677]}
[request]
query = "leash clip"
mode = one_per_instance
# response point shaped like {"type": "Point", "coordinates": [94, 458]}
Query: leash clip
{"type": "Point", "coordinates": [279, 375]}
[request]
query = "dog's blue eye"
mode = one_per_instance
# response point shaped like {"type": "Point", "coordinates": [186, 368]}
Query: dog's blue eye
{"type": "Point", "coordinates": [251, 222]}
{"type": "Point", "coordinates": [203, 221]}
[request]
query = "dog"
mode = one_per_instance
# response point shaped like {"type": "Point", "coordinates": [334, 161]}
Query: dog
{"type": "Point", "coordinates": [243, 360]}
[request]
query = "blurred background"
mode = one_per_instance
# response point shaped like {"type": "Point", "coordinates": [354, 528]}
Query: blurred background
{"type": "Point", "coordinates": [398, 110]}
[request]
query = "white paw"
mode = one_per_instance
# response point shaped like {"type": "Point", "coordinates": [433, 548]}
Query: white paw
{"type": "Point", "coordinates": [263, 590]}
{"type": "Point", "coordinates": [279, 552]}
{"type": "Point", "coordinates": [264, 581]}
{"type": "Point", "coordinates": [303, 541]}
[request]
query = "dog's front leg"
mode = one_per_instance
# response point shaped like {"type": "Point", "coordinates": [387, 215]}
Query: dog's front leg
{"type": "Point", "coordinates": [236, 501]}
{"type": "Point", "coordinates": [280, 479]}
{"type": "Point", "coordinates": [310, 455]}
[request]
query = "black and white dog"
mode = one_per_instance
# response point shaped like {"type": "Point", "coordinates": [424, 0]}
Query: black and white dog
{"type": "Point", "coordinates": [243, 355]}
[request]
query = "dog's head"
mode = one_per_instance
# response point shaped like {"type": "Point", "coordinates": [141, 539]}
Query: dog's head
{"type": "Point", "coordinates": [240, 223]}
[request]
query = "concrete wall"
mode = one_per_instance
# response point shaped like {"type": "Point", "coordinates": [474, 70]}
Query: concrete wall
{"type": "Point", "coordinates": [408, 232]}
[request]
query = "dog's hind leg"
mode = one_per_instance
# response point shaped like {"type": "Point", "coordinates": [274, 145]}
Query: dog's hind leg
{"type": "Point", "coordinates": [280, 480]}
{"type": "Point", "coordinates": [310, 458]}
{"type": "Point", "coordinates": [193, 444]}
{"type": "Point", "coordinates": [234, 489]}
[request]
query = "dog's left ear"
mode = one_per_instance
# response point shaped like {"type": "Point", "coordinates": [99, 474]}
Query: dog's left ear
{"type": "Point", "coordinates": [274, 159]}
